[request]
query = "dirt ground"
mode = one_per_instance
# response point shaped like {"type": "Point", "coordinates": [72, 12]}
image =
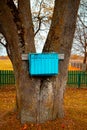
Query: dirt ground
{"type": "Point", "coordinates": [75, 103]}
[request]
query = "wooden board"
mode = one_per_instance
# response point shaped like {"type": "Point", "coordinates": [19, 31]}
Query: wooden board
{"type": "Point", "coordinates": [25, 56]}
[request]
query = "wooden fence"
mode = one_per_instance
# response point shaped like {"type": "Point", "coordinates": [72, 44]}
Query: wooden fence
{"type": "Point", "coordinates": [74, 77]}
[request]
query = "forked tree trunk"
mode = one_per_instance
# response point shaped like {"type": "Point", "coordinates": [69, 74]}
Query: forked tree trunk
{"type": "Point", "coordinates": [40, 98]}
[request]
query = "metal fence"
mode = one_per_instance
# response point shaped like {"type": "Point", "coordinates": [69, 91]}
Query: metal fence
{"type": "Point", "coordinates": [77, 78]}
{"type": "Point", "coordinates": [6, 77]}
{"type": "Point", "coordinates": [74, 77]}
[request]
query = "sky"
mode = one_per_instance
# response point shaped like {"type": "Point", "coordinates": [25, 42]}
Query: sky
{"type": "Point", "coordinates": [3, 51]}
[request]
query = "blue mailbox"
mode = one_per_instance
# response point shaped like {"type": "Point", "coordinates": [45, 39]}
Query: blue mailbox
{"type": "Point", "coordinates": [43, 64]}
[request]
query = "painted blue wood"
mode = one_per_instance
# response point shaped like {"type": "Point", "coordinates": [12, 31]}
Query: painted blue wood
{"type": "Point", "coordinates": [43, 64]}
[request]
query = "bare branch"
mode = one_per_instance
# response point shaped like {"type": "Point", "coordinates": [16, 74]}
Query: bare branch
{"type": "Point", "coordinates": [2, 44]}
{"type": "Point", "coordinates": [2, 40]}
{"type": "Point", "coordinates": [39, 18]}
{"type": "Point", "coordinates": [82, 21]}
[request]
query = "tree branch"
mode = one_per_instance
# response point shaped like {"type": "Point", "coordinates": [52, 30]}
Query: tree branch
{"type": "Point", "coordinates": [82, 21]}
{"type": "Point", "coordinates": [9, 30]}
{"type": "Point", "coordinates": [27, 25]}
{"type": "Point", "coordinates": [39, 18]}
{"type": "Point", "coordinates": [2, 44]}
{"type": "Point", "coordinates": [17, 20]}
{"type": "Point", "coordinates": [14, 10]}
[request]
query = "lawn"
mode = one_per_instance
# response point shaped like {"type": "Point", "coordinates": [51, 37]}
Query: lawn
{"type": "Point", "coordinates": [75, 103]}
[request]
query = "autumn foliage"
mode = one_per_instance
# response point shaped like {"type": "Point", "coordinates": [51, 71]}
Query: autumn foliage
{"type": "Point", "coordinates": [71, 68]}
{"type": "Point", "coordinates": [75, 103]}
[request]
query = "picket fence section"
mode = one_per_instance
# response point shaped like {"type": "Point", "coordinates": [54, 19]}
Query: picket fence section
{"type": "Point", "coordinates": [7, 77]}
{"type": "Point", "coordinates": [74, 77]}
{"type": "Point", "coordinates": [77, 78]}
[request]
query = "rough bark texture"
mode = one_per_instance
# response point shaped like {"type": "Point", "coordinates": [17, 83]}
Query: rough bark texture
{"type": "Point", "coordinates": [39, 98]}
{"type": "Point", "coordinates": [27, 25]}
{"type": "Point", "coordinates": [60, 40]}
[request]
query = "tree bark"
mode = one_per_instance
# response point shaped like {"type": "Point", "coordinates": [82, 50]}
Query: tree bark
{"type": "Point", "coordinates": [27, 25]}
{"type": "Point", "coordinates": [60, 40]}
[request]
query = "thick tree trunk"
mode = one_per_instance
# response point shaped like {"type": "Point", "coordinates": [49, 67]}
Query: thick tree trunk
{"type": "Point", "coordinates": [40, 98]}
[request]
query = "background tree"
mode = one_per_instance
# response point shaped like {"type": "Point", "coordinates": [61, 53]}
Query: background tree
{"type": "Point", "coordinates": [38, 98]}
{"type": "Point", "coordinates": [80, 39]}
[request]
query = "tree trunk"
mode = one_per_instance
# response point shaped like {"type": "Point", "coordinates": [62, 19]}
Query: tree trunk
{"type": "Point", "coordinates": [84, 65]}
{"type": "Point", "coordinates": [40, 98]}
{"type": "Point", "coordinates": [85, 57]}
{"type": "Point", "coordinates": [47, 93]}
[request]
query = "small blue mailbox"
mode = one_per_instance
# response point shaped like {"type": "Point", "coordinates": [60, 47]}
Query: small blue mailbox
{"type": "Point", "coordinates": [43, 64]}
